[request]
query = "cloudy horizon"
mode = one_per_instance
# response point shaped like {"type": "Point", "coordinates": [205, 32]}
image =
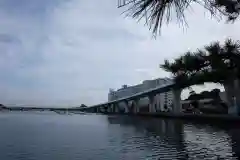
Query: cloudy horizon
{"type": "Point", "coordinates": [69, 52]}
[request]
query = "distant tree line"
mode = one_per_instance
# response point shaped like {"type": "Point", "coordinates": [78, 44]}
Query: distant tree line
{"type": "Point", "coordinates": [83, 105]}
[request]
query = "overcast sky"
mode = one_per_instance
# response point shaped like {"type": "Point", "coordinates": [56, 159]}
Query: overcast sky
{"type": "Point", "coordinates": [68, 52]}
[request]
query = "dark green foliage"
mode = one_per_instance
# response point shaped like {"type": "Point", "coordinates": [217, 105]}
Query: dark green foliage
{"type": "Point", "coordinates": [158, 11]}
{"type": "Point", "coordinates": [214, 63]}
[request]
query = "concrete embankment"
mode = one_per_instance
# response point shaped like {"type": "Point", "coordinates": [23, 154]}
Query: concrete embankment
{"type": "Point", "coordinates": [202, 117]}
{"type": "Point", "coordinates": [192, 117]}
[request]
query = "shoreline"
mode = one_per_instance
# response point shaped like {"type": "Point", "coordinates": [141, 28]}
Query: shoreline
{"type": "Point", "coordinates": [181, 116]}
{"type": "Point", "coordinates": [186, 116]}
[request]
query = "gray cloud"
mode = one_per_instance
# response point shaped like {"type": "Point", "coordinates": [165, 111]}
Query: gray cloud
{"type": "Point", "coordinates": [72, 52]}
{"type": "Point", "coordinates": [6, 38]}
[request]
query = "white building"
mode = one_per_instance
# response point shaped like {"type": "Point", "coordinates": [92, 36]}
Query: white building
{"type": "Point", "coordinates": [161, 99]}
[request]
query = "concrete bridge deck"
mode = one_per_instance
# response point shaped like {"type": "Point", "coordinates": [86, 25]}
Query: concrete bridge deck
{"type": "Point", "coordinates": [156, 90]}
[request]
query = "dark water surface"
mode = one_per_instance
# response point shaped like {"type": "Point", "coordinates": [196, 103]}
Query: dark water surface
{"type": "Point", "coordinates": [50, 136]}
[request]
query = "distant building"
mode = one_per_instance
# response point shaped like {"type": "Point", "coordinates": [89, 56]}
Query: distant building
{"type": "Point", "coordinates": [163, 99]}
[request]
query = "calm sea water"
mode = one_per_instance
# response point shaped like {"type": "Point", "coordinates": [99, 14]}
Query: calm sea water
{"type": "Point", "coordinates": [50, 136]}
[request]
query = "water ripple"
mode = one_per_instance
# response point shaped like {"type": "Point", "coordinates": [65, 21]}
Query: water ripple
{"type": "Point", "coordinates": [89, 137]}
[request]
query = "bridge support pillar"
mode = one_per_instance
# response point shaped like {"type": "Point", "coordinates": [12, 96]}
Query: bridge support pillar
{"type": "Point", "coordinates": [116, 108]}
{"type": "Point", "coordinates": [126, 106]}
{"type": "Point", "coordinates": [151, 108]}
{"type": "Point", "coordinates": [177, 108]}
{"type": "Point", "coordinates": [136, 106]}
{"type": "Point", "coordinates": [108, 108]}
{"type": "Point", "coordinates": [113, 108]}
{"type": "Point", "coordinates": [97, 109]}
{"type": "Point", "coordinates": [102, 109]}
{"type": "Point", "coordinates": [105, 108]}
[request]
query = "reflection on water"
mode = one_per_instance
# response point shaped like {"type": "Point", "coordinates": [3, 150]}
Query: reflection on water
{"type": "Point", "coordinates": [163, 139]}
{"type": "Point", "coordinates": [178, 140]}
{"type": "Point", "coordinates": [51, 136]}
{"type": "Point", "coordinates": [207, 142]}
